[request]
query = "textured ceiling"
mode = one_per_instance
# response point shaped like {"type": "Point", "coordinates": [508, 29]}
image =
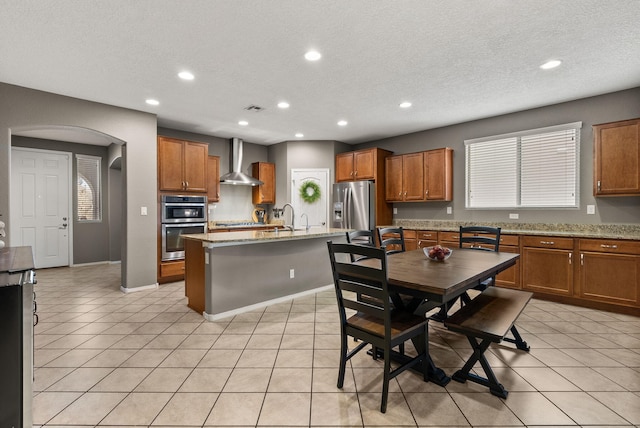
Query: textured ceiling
{"type": "Point", "coordinates": [454, 60]}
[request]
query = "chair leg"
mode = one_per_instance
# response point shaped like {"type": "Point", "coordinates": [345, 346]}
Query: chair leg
{"type": "Point", "coordinates": [385, 381]}
{"type": "Point", "coordinates": [343, 360]}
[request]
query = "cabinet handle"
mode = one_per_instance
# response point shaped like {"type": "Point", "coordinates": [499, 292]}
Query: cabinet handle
{"type": "Point", "coordinates": [609, 246]}
{"type": "Point", "coordinates": [581, 259]}
{"type": "Point", "coordinates": [355, 173]}
{"type": "Point", "coordinates": [598, 185]}
{"type": "Point", "coordinates": [405, 194]}
{"type": "Point", "coordinates": [400, 194]}
{"type": "Point", "coordinates": [351, 173]}
{"type": "Point", "coordinates": [547, 242]}
{"type": "Point", "coordinates": [570, 257]}
{"type": "Point", "coordinates": [186, 185]}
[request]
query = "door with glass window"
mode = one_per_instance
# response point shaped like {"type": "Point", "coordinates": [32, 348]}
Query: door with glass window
{"type": "Point", "coordinates": [39, 204]}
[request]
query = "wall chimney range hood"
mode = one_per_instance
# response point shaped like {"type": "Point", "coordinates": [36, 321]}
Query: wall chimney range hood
{"type": "Point", "coordinates": [235, 176]}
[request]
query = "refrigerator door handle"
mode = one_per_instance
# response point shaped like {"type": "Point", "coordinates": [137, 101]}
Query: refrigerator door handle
{"type": "Point", "coordinates": [347, 207]}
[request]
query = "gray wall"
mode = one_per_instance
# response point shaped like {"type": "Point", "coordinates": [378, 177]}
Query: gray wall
{"type": "Point", "coordinates": [302, 154]}
{"type": "Point", "coordinates": [23, 108]}
{"type": "Point", "coordinates": [600, 109]}
{"type": "Point", "coordinates": [90, 240]}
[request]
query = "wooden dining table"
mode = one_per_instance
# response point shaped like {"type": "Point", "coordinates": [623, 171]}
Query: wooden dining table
{"type": "Point", "coordinates": [419, 284]}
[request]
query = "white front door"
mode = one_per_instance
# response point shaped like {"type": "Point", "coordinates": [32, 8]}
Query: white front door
{"type": "Point", "coordinates": [317, 211]}
{"type": "Point", "coordinates": [39, 205]}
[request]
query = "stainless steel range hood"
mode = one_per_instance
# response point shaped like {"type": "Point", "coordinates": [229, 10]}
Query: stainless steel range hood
{"type": "Point", "coordinates": [235, 176]}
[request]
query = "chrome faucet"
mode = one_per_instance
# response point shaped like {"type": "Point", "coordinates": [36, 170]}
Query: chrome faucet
{"type": "Point", "coordinates": [293, 217]}
{"type": "Point", "coordinates": [307, 227]}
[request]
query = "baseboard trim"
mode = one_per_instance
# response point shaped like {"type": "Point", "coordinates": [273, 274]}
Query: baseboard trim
{"type": "Point", "coordinates": [127, 290]}
{"type": "Point", "coordinates": [215, 317]}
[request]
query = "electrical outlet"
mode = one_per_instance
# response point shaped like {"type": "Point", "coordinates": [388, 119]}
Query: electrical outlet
{"type": "Point", "coordinates": [143, 210]}
{"type": "Point", "coordinates": [591, 209]}
{"type": "Point", "coordinates": [395, 211]}
{"type": "Point", "coordinates": [449, 210]}
{"type": "Point", "coordinates": [514, 216]}
{"type": "Point", "coordinates": [292, 273]}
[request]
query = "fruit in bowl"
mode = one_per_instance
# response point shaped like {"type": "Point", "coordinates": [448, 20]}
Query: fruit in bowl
{"type": "Point", "coordinates": [437, 253]}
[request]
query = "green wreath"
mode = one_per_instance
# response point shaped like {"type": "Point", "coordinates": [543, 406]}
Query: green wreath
{"type": "Point", "coordinates": [310, 192]}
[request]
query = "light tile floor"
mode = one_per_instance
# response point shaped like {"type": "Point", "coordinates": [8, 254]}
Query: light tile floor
{"type": "Point", "coordinates": [104, 358]}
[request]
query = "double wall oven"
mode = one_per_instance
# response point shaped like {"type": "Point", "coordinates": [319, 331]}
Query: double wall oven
{"type": "Point", "coordinates": [181, 215]}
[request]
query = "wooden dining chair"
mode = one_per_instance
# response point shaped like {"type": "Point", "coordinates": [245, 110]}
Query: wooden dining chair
{"type": "Point", "coordinates": [375, 323]}
{"type": "Point", "coordinates": [392, 238]}
{"type": "Point", "coordinates": [361, 237]}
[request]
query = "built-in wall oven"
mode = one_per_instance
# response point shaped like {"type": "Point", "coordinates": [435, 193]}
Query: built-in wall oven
{"type": "Point", "coordinates": [181, 215]}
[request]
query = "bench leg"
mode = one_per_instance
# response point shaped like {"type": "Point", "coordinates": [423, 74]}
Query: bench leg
{"type": "Point", "coordinates": [517, 339]}
{"type": "Point", "coordinates": [465, 374]}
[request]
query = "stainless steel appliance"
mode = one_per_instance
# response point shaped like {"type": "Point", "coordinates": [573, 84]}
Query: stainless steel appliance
{"type": "Point", "coordinates": [184, 209]}
{"type": "Point", "coordinates": [17, 317]}
{"type": "Point", "coordinates": [354, 205]}
{"type": "Point", "coordinates": [181, 215]}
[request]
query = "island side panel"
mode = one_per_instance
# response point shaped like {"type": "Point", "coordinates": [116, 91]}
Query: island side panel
{"type": "Point", "coordinates": [244, 275]}
{"type": "Point", "coordinates": [194, 275]}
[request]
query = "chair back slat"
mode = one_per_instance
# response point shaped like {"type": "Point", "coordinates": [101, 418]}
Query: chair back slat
{"type": "Point", "coordinates": [392, 238]}
{"type": "Point", "coordinates": [352, 279]}
{"type": "Point", "coordinates": [475, 236]}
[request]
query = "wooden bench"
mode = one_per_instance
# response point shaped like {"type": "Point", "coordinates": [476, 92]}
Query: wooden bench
{"type": "Point", "coordinates": [488, 318]}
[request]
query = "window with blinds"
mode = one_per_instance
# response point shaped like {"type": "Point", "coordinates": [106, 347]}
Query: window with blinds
{"type": "Point", "coordinates": [538, 168]}
{"type": "Point", "coordinates": [89, 189]}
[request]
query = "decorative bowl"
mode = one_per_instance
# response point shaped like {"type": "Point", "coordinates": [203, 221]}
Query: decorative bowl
{"type": "Point", "coordinates": [437, 253]}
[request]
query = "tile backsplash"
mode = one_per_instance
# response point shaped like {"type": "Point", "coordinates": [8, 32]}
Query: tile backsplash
{"type": "Point", "coordinates": [235, 204]}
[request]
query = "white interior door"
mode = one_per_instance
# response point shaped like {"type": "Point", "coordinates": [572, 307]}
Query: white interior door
{"type": "Point", "coordinates": [39, 205]}
{"type": "Point", "coordinates": [317, 211]}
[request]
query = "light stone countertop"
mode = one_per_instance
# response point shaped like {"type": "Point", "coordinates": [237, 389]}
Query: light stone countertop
{"type": "Point", "coordinates": [604, 231]}
{"type": "Point", "coordinates": [260, 236]}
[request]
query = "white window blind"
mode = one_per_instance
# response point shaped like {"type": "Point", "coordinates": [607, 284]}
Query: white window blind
{"type": "Point", "coordinates": [88, 188]}
{"type": "Point", "coordinates": [529, 169]}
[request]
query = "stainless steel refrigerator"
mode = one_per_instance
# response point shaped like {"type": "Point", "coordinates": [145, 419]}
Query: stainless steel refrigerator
{"type": "Point", "coordinates": [354, 205]}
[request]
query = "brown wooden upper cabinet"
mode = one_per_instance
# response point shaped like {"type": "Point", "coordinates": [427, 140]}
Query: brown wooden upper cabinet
{"type": "Point", "coordinates": [213, 178]}
{"type": "Point", "coordinates": [421, 176]}
{"type": "Point", "coordinates": [182, 165]}
{"type": "Point", "coordinates": [359, 165]}
{"type": "Point", "coordinates": [616, 158]}
{"type": "Point", "coordinates": [266, 193]}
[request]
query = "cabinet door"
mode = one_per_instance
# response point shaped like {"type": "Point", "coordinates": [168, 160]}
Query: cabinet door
{"type": "Point", "coordinates": [196, 157]}
{"type": "Point", "coordinates": [344, 167]}
{"type": "Point", "coordinates": [170, 163]}
{"type": "Point", "coordinates": [213, 178]}
{"type": "Point", "coordinates": [439, 175]}
{"type": "Point", "coordinates": [547, 270]}
{"type": "Point", "coordinates": [612, 278]}
{"type": "Point", "coordinates": [413, 177]}
{"type": "Point", "coordinates": [393, 178]}
{"type": "Point", "coordinates": [266, 193]}
{"type": "Point", "coordinates": [364, 165]}
{"type": "Point", "coordinates": [509, 278]}
{"type": "Point", "coordinates": [617, 158]}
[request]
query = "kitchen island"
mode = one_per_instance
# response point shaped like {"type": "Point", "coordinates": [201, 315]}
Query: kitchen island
{"type": "Point", "coordinates": [234, 272]}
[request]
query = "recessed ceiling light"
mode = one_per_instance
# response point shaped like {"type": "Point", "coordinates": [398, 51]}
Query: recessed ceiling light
{"type": "Point", "coordinates": [152, 102]}
{"type": "Point", "coordinates": [243, 123]}
{"type": "Point", "coordinates": [312, 56]}
{"type": "Point", "coordinates": [405, 104]}
{"type": "Point", "coordinates": [299, 135]}
{"type": "Point", "coordinates": [283, 104]}
{"type": "Point", "coordinates": [550, 64]}
{"type": "Point", "coordinates": [342, 123]}
{"type": "Point", "coordinates": [185, 75]}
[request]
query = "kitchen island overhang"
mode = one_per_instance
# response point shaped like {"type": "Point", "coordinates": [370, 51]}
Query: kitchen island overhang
{"type": "Point", "coordinates": [235, 272]}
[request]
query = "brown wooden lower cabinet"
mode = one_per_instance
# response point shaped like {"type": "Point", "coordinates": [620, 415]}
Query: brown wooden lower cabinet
{"type": "Point", "coordinates": [194, 278]}
{"type": "Point", "coordinates": [547, 264]}
{"type": "Point", "coordinates": [427, 238]}
{"type": "Point", "coordinates": [171, 270]}
{"type": "Point", "coordinates": [609, 271]}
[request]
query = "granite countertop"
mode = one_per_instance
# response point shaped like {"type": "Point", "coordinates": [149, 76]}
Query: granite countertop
{"type": "Point", "coordinates": [605, 231]}
{"type": "Point", "coordinates": [259, 236]}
